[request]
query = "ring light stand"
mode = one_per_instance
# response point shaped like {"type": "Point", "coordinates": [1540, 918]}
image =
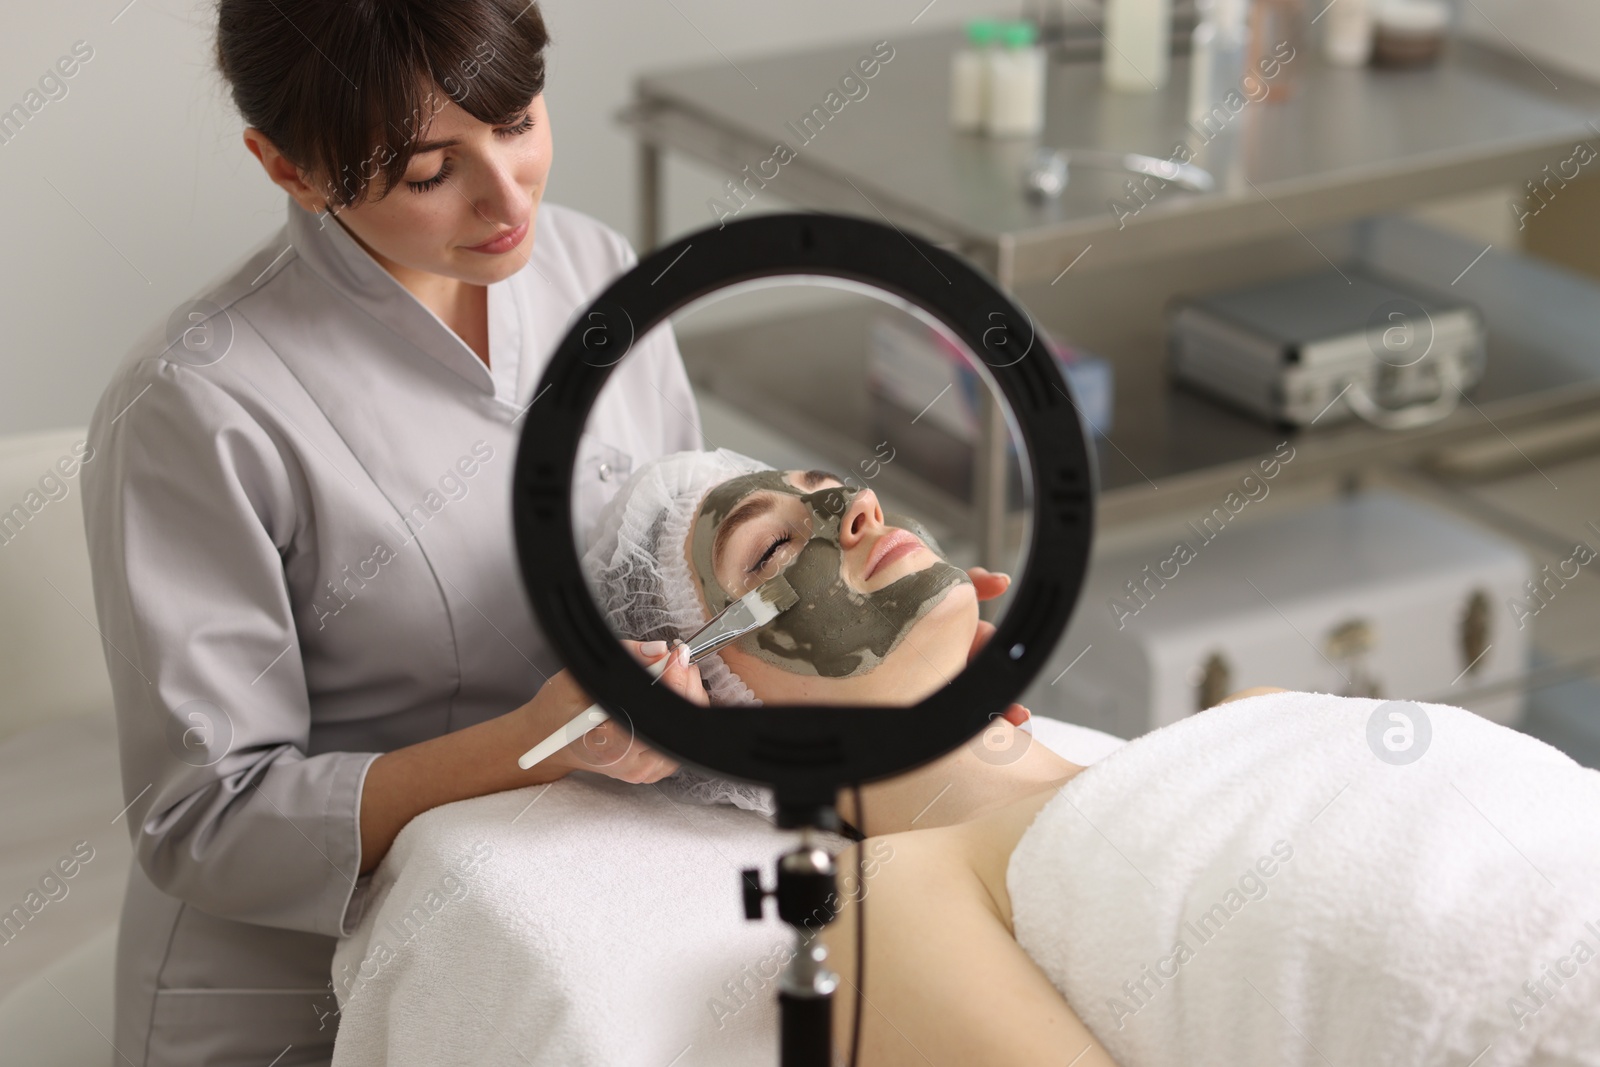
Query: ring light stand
{"type": "Point", "coordinates": [806, 754]}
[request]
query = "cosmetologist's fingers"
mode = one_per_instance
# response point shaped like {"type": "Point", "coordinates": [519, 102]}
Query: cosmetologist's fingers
{"type": "Point", "coordinates": [682, 677]}
{"type": "Point", "coordinates": [989, 584]}
{"type": "Point", "coordinates": [646, 652]}
{"type": "Point", "coordinates": [697, 688]}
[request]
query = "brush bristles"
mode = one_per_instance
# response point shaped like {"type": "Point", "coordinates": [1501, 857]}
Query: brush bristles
{"type": "Point", "coordinates": [750, 612]}
{"type": "Point", "coordinates": [774, 596]}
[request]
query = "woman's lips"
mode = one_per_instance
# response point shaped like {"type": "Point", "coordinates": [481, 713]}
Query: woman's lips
{"type": "Point", "coordinates": [503, 242]}
{"type": "Point", "coordinates": [893, 545]}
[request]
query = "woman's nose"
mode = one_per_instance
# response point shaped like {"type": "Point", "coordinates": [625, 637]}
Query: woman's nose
{"type": "Point", "coordinates": [861, 517]}
{"type": "Point", "coordinates": [502, 199]}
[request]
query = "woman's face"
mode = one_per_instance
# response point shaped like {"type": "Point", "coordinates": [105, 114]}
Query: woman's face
{"type": "Point", "coordinates": [882, 618]}
{"type": "Point", "coordinates": [465, 208]}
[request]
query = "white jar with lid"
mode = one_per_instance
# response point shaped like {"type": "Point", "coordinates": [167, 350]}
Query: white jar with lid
{"type": "Point", "coordinates": [1138, 44]}
{"type": "Point", "coordinates": [969, 76]}
{"type": "Point", "coordinates": [1347, 34]}
{"type": "Point", "coordinates": [1017, 72]}
{"type": "Point", "coordinates": [1409, 33]}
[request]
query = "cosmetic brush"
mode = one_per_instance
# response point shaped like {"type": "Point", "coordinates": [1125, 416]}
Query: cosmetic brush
{"type": "Point", "coordinates": [749, 613]}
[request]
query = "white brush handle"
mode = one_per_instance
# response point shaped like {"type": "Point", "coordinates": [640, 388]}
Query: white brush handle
{"type": "Point", "coordinates": [579, 725]}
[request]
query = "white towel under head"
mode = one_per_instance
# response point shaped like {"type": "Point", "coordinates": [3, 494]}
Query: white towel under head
{"type": "Point", "coordinates": [1254, 885]}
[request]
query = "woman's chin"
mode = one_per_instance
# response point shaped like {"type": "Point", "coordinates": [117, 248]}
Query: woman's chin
{"type": "Point", "coordinates": [931, 654]}
{"type": "Point", "coordinates": [941, 641]}
{"type": "Point", "coordinates": [953, 619]}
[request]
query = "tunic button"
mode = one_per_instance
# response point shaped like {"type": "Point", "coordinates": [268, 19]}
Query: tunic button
{"type": "Point", "coordinates": [605, 472]}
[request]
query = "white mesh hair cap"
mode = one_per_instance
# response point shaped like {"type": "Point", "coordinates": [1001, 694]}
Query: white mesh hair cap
{"type": "Point", "coordinates": [637, 569]}
{"type": "Point", "coordinates": [636, 564]}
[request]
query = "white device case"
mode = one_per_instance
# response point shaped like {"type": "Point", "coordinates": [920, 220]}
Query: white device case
{"type": "Point", "coordinates": [1370, 595]}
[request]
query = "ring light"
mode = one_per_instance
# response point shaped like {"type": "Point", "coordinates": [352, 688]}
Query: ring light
{"type": "Point", "coordinates": [805, 754]}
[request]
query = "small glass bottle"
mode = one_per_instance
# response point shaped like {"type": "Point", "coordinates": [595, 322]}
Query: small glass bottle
{"type": "Point", "coordinates": [1016, 83]}
{"type": "Point", "coordinates": [969, 76]}
{"type": "Point", "coordinates": [1216, 62]}
{"type": "Point", "coordinates": [1276, 48]}
{"type": "Point", "coordinates": [1138, 44]}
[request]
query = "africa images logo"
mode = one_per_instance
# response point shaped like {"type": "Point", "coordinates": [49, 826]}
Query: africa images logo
{"type": "Point", "coordinates": [1399, 732]}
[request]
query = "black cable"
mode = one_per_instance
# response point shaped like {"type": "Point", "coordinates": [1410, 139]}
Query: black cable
{"type": "Point", "coordinates": [861, 930]}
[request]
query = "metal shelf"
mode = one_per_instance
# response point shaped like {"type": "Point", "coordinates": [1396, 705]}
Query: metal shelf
{"type": "Point", "coordinates": [1349, 144]}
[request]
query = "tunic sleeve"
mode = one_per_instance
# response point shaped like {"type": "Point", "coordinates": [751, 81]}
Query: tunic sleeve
{"type": "Point", "coordinates": [190, 508]}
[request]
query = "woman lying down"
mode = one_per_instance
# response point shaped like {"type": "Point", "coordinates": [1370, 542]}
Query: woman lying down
{"type": "Point", "coordinates": [1289, 878]}
{"type": "Point", "coordinates": [1268, 882]}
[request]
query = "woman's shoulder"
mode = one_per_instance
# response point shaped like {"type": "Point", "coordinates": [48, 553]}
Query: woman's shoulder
{"type": "Point", "coordinates": [190, 360]}
{"type": "Point", "coordinates": [203, 329]}
{"type": "Point", "coordinates": [196, 372]}
{"type": "Point", "coordinates": [903, 865]}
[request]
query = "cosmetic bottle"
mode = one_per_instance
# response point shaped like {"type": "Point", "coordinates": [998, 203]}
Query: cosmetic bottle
{"type": "Point", "coordinates": [1138, 44]}
{"type": "Point", "coordinates": [1275, 46]}
{"type": "Point", "coordinates": [1347, 33]}
{"type": "Point", "coordinates": [1049, 17]}
{"type": "Point", "coordinates": [1016, 83]}
{"type": "Point", "coordinates": [1409, 33]}
{"type": "Point", "coordinates": [969, 76]}
{"type": "Point", "coordinates": [1216, 58]}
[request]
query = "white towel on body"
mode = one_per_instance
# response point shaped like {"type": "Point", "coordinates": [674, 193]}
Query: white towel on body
{"type": "Point", "coordinates": [587, 922]}
{"type": "Point", "coordinates": [1256, 885]}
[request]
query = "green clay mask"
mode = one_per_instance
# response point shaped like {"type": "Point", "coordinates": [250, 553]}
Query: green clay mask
{"type": "Point", "coordinates": [834, 631]}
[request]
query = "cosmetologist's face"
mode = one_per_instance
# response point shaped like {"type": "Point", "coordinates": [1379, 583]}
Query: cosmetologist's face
{"type": "Point", "coordinates": [465, 207]}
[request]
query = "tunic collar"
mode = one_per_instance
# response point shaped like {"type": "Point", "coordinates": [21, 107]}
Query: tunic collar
{"type": "Point", "coordinates": [324, 244]}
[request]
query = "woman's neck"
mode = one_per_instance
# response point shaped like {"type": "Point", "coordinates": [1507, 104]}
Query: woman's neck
{"type": "Point", "coordinates": [462, 306]}
{"type": "Point", "coordinates": [996, 768]}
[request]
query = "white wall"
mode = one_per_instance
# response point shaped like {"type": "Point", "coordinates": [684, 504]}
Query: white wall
{"type": "Point", "coordinates": [124, 197]}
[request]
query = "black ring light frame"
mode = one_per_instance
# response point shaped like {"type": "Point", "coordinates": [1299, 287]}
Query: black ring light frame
{"type": "Point", "coordinates": [807, 753]}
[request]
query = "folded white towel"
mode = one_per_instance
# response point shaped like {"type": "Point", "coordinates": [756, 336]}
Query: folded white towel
{"type": "Point", "coordinates": [1257, 885]}
{"type": "Point", "coordinates": [584, 922]}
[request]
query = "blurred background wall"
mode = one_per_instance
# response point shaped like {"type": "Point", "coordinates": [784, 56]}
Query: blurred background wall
{"type": "Point", "coordinates": [126, 195]}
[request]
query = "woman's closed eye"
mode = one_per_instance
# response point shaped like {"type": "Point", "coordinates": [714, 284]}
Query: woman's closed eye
{"type": "Point", "coordinates": [767, 547]}
{"type": "Point", "coordinates": [757, 538]}
{"type": "Point", "coordinates": [522, 125]}
{"type": "Point", "coordinates": [434, 182]}
{"type": "Point", "coordinates": [765, 558]}
{"type": "Point", "coordinates": [515, 129]}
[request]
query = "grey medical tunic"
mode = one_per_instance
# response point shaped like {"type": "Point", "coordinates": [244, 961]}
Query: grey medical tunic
{"type": "Point", "coordinates": [299, 524]}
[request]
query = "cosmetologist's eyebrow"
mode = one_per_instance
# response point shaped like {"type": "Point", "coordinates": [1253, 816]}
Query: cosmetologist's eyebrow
{"type": "Point", "coordinates": [753, 508]}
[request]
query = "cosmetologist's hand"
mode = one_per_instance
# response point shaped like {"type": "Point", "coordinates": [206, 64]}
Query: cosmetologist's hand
{"type": "Point", "coordinates": [1253, 691]}
{"type": "Point", "coordinates": [612, 749]}
{"type": "Point", "coordinates": [991, 584]}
